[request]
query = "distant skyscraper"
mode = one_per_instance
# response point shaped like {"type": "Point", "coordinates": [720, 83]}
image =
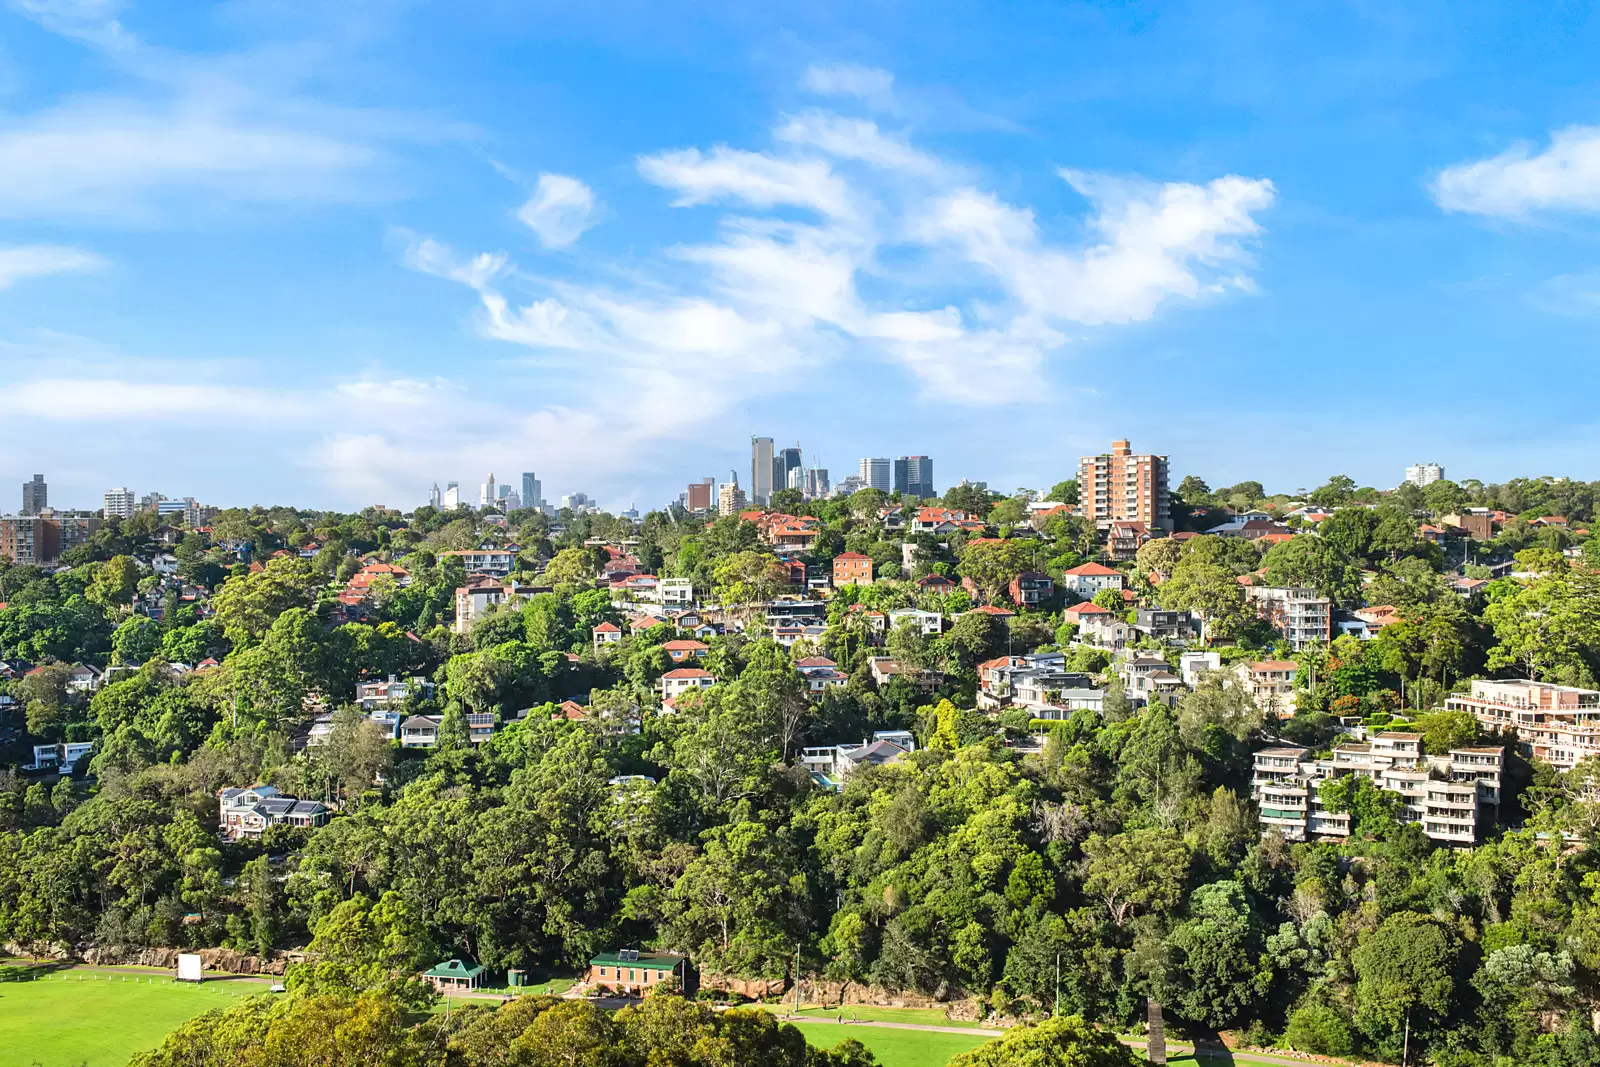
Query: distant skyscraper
{"type": "Point", "coordinates": [119, 504]}
{"type": "Point", "coordinates": [913, 475]}
{"type": "Point", "coordinates": [816, 483]}
{"type": "Point", "coordinates": [452, 496]}
{"type": "Point", "coordinates": [1420, 474]}
{"type": "Point", "coordinates": [784, 464]}
{"type": "Point", "coordinates": [701, 495]}
{"type": "Point", "coordinates": [1123, 487]}
{"type": "Point", "coordinates": [35, 495]}
{"type": "Point", "coordinates": [435, 497]}
{"type": "Point", "coordinates": [532, 491]}
{"type": "Point", "coordinates": [760, 470]}
{"type": "Point", "coordinates": [486, 493]}
{"type": "Point", "coordinates": [877, 474]}
{"type": "Point", "coordinates": [730, 498]}
{"type": "Point", "coordinates": [510, 500]}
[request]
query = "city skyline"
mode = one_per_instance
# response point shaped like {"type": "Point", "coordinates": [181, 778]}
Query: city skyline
{"type": "Point", "coordinates": [336, 267]}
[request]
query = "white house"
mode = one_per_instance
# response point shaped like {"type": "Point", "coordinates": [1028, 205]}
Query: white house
{"type": "Point", "coordinates": [930, 622]}
{"type": "Point", "coordinates": [1087, 579]}
{"type": "Point", "coordinates": [677, 682]}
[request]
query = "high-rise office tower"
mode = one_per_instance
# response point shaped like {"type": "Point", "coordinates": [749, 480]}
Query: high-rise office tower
{"type": "Point", "coordinates": [532, 491]}
{"type": "Point", "coordinates": [913, 476]}
{"type": "Point", "coordinates": [816, 483]}
{"type": "Point", "coordinates": [701, 495]}
{"type": "Point", "coordinates": [784, 464]}
{"type": "Point", "coordinates": [877, 474]}
{"type": "Point", "coordinates": [1420, 474]}
{"type": "Point", "coordinates": [435, 497]}
{"type": "Point", "coordinates": [509, 499]}
{"type": "Point", "coordinates": [1123, 487]}
{"type": "Point", "coordinates": [119, 504]}
{"type": "Point", "coordinates": [760, 470]}
{"type": "Point", "coordinates": [35, 496]}
{"type": "Point", "coordinates": [452, 495]}
{"type": "Point", "coordinates": [486, 494]}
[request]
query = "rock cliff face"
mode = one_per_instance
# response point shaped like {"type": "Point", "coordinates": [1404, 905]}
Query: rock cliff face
{"type": "Point", "coordinates": [226, 960]}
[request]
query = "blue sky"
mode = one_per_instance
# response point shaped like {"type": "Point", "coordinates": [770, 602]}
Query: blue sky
{"type": "Point", "coordinates": [326, 254]}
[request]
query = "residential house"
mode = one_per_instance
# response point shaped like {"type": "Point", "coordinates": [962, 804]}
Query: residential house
{"type": "Point", "coordinates": [63, 757]}
{"type": "Point", "coordinates": [1087, 579]}
{"type": "Point", "coordinates": [884, 669]}
{"type": "Point", "coordinates": [634, 587]}
{"type": "Point", "coordinates": [675, 592]}
{"type": "Point", "coordinates": [930, 623]}
{"type": "Point", "coordinates": [1039, 682]}
{"type": "Point", "coordinates": [247, 812]}
{"type": "Point", "coordinates": [1192, 666]}
{"type": "Point", "coordinates": [681, 680]}
{"type": "Point", "coordinates": [84, 678]}
{"type": "Point", "coordinates": [1030, 589]}
{"type": "Point", "coordinates": [1559, 724]}
{"type": "Point", "coordinates": [829, 765]}
{"type": "Point", "coordinates": [1166, 626]}
{"type": "Point", "coordinates": [1004, 615]}
{"type": "Point", "coordinates": [392, 692]}
{"type": "Point", "coordinates": [937, 520]}
{"type": "Point", "coordinates": [820, 673]}
{"type": "Point", "coordinates": [606, 633]}
{"type": "Point", "coordinates": [935, 583]}
{"type": "Point", "coordinates": [852, 568]}
{"type": "Point", "coordinates": [474, 599]}
{"type": "Point", "coordinates": [1097, 626]}
{"type": "Point", "coordinates": [681, 651]}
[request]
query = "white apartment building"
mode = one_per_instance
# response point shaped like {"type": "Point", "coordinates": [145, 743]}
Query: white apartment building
{"type": "Point", "coordinates": [1420, 474]}
{"type": "Point", "coordinates": [1451, 797]}
{"type": "Point", "coordinates": [119, 503]}
{"type": "Point", "coordinates": [1559, 724]}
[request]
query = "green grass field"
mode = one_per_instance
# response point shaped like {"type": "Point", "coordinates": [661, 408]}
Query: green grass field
{"type": "Point", "coordinates": [100, 1021]}
{"type": "Point", "coordinates": [894, 1048]}
{"type": "Point", "coordinates": [919, 1016]}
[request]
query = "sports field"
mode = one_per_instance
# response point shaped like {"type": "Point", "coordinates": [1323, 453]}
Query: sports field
{"type": "Point", "coordinates": [73, 1018]}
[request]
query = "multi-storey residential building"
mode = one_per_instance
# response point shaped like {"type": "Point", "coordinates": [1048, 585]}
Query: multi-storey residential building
{"type": "Point", "coordinates": [913, 476]}
{"type": "Point", "coordinates": [730, 499]}
{"type": "Point", "coordinates": [1452, 797]}
{"type": "Point", "coordinates": [1559, 724]}
{"type": "Point", "coordinates": [119, 504]}
{"type": "Point", "coordinates": [1167, 626]}
{"type": "Point", "coordinates": [474, 599]}
{"type": "Point", "coordinates": [1421, 474]}
{"type": "Point", "coordinates": [40, 539]}
{"type": "Point", "coordinates": [852, 568]}
{"type": "Point", "coordinates": [1122, 486]}
{"type": "Point", "coordinates": [1270, 684]}
{"type": "Point", "coordinates": [35, 495]}
{"type": "Point", "coordinates": [877, 474]}
{"type": "Point", "coordinates": [1303, 617]}
{"type": "Point", "coordinates": [495, 562]}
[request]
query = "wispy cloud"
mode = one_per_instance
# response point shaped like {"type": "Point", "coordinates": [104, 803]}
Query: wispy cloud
{"type": "Point", "coordinates": [871, 84]}
{"type": "Point", "coordinates": [1520, 182]}
{"type": "Point", "coordinates": [560, 210]}
{"type": "Point", "coordinates": [34, 261]}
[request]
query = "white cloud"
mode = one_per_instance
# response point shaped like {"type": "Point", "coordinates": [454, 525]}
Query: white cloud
{"type": "Point", "coordinates": [755, 178]}
{"type": "Point", "coordinates": [559, 211]}
{"type": "Point", "coordinates": [1519, 182]}
{"type": "Point", "coordinates": [35, 261]}
{"type": "Point", "coordinates": [871, 84]}
{"type": "Point", "coordinates": [857, 139]}
{"type": "Point", "coordinates": [1155, 242]}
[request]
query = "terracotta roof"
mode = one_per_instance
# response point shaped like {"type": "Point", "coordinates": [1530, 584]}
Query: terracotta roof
{"type": "Point", "coordinates": [990, 609]}
{"type": "Point", "coordinates": [608, 628]}
{"type": "Point", "coordinates": [684, 646]}
{"type": "Point", "coordinates": [853, 557]}
{"type": "Point", "coordinates": [1275, 665]}
{"type": "Point", "coordinates": [688, 672]}
{"type": "Point", "coordinates": [1092, 570]}
{"type": "Point", "coordinates": [1086, 608]}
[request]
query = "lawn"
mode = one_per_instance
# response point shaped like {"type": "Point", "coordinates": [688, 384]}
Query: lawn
{"type": "Point", "coordinates": [919, 1016]}
{"type": "Point", "coordinates": [894, 1048]}
{"type": "Point", "coordinates": [69, 1019]}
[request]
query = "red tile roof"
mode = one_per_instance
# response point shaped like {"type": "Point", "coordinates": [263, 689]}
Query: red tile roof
{"type": "Point", "coordinates": [688, 672]}
{"type": "Point", "coordinates": [1086, 608]}
{"type": "Point", "coordinates": [683, 645]}
{"type": "Point", "coordinates": [1274, 665]}
{"type": "Point", "coordinates": [608, 628]}
{"type": "Point", "coordinates": [990, 609]}
{"type": "Point", "coordinates": [1092, 570]}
